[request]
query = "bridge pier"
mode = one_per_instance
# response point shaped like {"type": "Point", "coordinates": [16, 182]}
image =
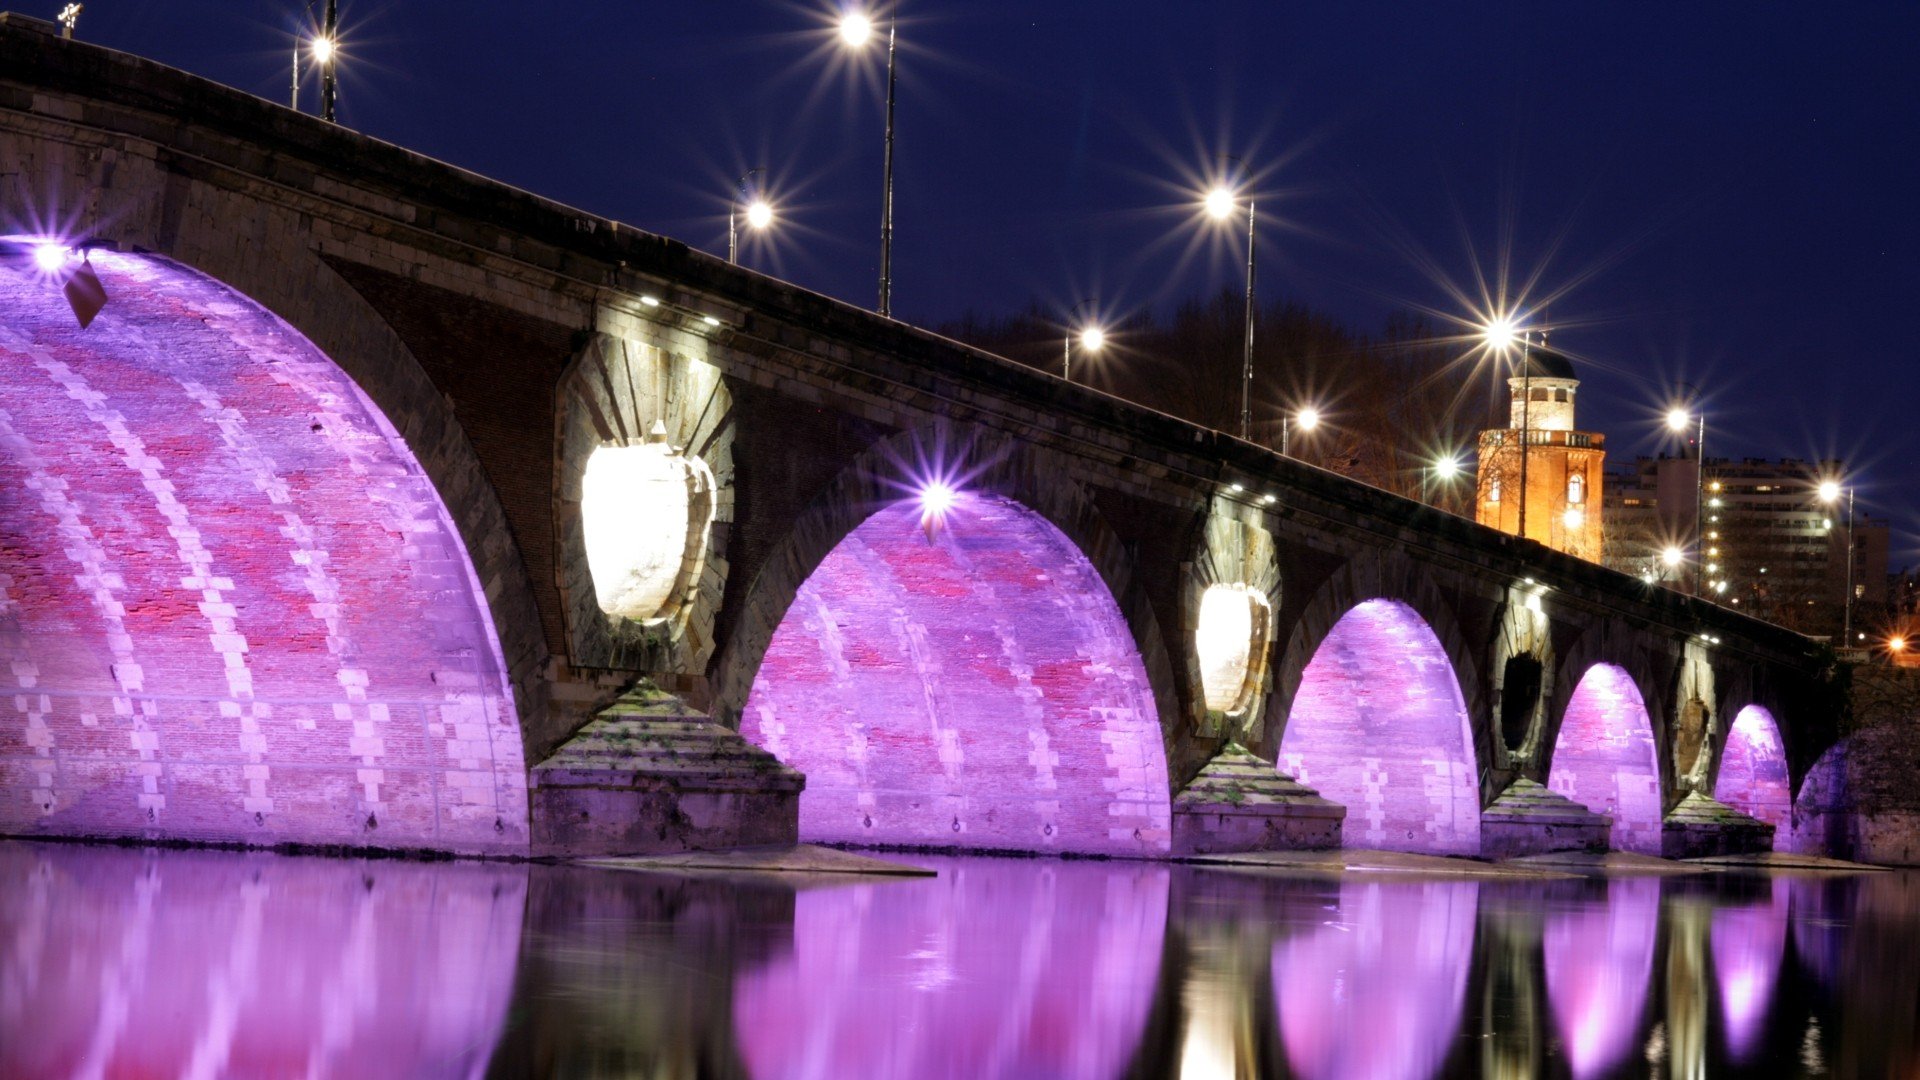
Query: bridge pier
{"type": "Point", "coordinates": [1700, 827]}
{"type": "Point", "coordinates": [1240, 802]}
{"type": "Point", "coordinates": [1529, 819]}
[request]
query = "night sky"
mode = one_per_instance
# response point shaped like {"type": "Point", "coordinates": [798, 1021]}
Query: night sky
{"type": "Point", "coordinates": [1714, 192]}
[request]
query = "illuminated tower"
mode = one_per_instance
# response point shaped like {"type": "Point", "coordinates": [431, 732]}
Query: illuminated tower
{"type": "Point", "coordinates": [1560, 468]}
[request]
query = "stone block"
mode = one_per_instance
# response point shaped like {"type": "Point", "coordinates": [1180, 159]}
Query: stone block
{"type": "Point", "coordinates": [1240, 802]}
{"type": "Point", "coordinates": [1700, 827]}
{"type": "Point", "coordinates": [1528, 819]}
{"type": "Point", "coordinates": [648, 775]}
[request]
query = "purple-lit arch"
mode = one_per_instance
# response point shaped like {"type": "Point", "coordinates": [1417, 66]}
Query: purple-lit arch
{"type": "Point", "coordinates": [1753, 772]}
{"type": "Point", "coordinates": [964, 681]}
{"type": "Point", "coordinates": [1378, 725]}
{"type": "Point", "coordinates": [236, 607]}
{"type": "Point", "coordinates": [1604, 757]}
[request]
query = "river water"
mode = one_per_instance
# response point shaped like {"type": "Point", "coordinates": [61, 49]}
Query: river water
{"type": "Point", "coordinates": [122, 962]}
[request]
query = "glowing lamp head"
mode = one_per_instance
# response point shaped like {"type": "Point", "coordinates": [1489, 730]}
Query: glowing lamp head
{"type": "Point", "coordinates": [937, 498]}
{"type": "Point", "coordinates": [1499, 334]}
{"type": "Point", "coordinates": [855, 29]}
{"type": "Point", "coordinates": [1678, 419]}
{"type": "Point", "coordinates": [1307, 419]}
{"type": "Point", "coordinates": [1446, 468]}
{"type": "Point", "coordinates": [1896, 644]}
{"type": "Point", "coordinates": [50, 257]}
{"type": "Point", "coordinates": [1219, 203]}
{"type": "Point", "coordinates": [1829, 490]}
{"type": "Point", "coordinates": [1092, 338]}
{"type": "Point", "coordinates": [1672, 556]}
{"type": "Point", "coordinates": [759, 214]}
{"type": "Point", "coordinates": [1575, 517]}
{"type": "Point", "coordinates": [323, 49]}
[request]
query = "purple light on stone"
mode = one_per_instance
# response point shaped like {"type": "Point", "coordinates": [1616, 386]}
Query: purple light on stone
{"type": "Point", "coordinates": [50, 257]}
{"type": "Point", "coordinates": [1599, 963]}
{"type": "Point", "coordinates": [143, 963]}
{"type": "Point", "coordinates": [232, 605]}
{"type": "Point", "coordinates": [992, 969]}
{"type": "Point", "coordinates": [1753, 773]}
{"type": "Point", "coordinates": [1376, 992]}
{"type": "Point", "coordinates": [1378, 725]}
{"type": "Point", "coordinates": [1604, 757]}
{"type": "Point", "coordinates": [1747, 944]}
{"type": "Point", "coordinates": [977, 690]}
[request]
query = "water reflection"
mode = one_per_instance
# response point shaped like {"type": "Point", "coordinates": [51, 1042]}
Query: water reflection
{"type": "Point", "coordinates": [122, 962]}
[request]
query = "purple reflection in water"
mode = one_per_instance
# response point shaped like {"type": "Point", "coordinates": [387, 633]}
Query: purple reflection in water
{"type": "Point", "coordinates": [1376, 991]}
{"type": "Point", "coordinates": [1599, 961]}
{"type": "Point", "coordinates": [1747, 944]}
{"type": "Point", "coordinates": [996, 968]}
{"type": "Point", "coordinates": [131, 963]}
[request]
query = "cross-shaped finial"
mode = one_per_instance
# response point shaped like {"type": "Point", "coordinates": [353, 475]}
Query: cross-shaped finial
{"type": "Point", "coordinates": [69, 15]}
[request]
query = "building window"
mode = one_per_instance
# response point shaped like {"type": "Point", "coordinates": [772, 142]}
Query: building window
{"type": "Point", "coordinates": [1493, 490]}
{"type": "Point", "coordinates": [1576, 489]}
{"type": "Point", "coordinates": [1560, 395]}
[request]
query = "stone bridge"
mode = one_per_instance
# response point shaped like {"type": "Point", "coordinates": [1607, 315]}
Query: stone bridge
{"type": "Point", "coordinates": [385, 505]}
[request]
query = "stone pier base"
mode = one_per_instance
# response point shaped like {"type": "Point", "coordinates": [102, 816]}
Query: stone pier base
{"type": "Point", "coordinates": [1240, 802]}
{"type": "Point", "coordinates": [1700, 827]}
{"type": "Point", "coordinates": [1529, 819]}
{"type": "Point", "coordinates": [649, 776]}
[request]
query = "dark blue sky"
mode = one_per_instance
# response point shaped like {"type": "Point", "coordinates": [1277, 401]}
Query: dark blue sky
{"type": "Point", "coordinates": [1715, 192]}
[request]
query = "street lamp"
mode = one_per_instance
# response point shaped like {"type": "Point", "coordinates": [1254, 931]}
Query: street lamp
{"type": "Point", "coordinates": [1219, 205]}
{"type": "Point", "coordinates": [1092, 338]}
{"type": "Point", "coordinates": [68, 17]}
{"type": "Point", "coordinates": [759, 214]}
{"type": "Point", "coordinates": [1499, 334]}
{"type": "Point", "coordinates": [856, 29]}
{"type": "Point", "coordinates": [1306, 419]}
{"type": "Point", "coordinates": [1672, 556]}
{"type": "Point", "coordinates": [1678, 420]}
{"type": "Point", "coordinates": [1830, 492]}
{"type": "Point", "coordinates": [325, 47]}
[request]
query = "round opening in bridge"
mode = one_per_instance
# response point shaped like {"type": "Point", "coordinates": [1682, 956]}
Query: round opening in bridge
{"type": "Point", "coordinates": [969, 686]}
{"type": "Point", "coordinates": [1519, 698]}
{"type": "Point", "coordinates": [642, 510]}
{"type": "Point", "coordinates": [1231, 643]}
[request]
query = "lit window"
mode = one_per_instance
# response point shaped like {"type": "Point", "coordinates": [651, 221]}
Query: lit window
{"type": "Point", "coordinates": [1576, 489]}
{"type": "Point", "coordinates": [1493, 491]}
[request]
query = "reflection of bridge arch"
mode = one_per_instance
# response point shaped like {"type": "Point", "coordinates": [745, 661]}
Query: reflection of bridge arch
{"type": "Point", "coordinates": [1377, 724]}
{"type": "Point", "coordinates": [239, 610]}
{"type": "Point", "coordinates": [1604, 757]}
{"type": "Point", "coordinates": [963, 681]}
{"type": "Point", "coordinates": [1599, 968]}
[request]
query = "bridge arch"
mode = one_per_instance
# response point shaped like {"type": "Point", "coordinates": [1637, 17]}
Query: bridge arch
{"type": "Point", "coordinates": [1752, 774]}
{"type": "Point", "coordinates": [1026, 698]}
{"type": "Point", "coordinates": [1377, 721]}
{"type": "Point", "coordinates": [240, 608]}
{"type": "Point", "coordinates": [1605, 757]}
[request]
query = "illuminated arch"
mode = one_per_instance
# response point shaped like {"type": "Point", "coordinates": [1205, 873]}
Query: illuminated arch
{"type": "Point", "coordinates": [965, 681]}
{"type": "Point", "coordinates": [1753, 772]}
{"type": "Point", "coordinates": [236, 605]}
{"type": "Point", "coordinates": [1604, 757]}
{"type": "Point", "coordinates": [1378, 724]}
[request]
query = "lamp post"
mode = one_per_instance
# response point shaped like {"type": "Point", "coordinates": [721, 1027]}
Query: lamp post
{"type": "Point", "coordinates": [326, 51]}
{"type": "Point", "coordinates": [1830, 492]}
{"type": "Point", "coordinates": [1092, 338]}
{"type": "Point", "coordinates": [1500, 334]}
{"type": "Point", "coordinates": [759, 214]}
{"type": "Point", "coordinates": [69, 16]}
{"type": "Point", "coordinates": [1220, 206]}
{"type": "Point", "coordinates": [1678, 420]}
{"type": "Point", "coordinates": [856, 29]}
{"type": "Point", "coordinates": [1441, 475]}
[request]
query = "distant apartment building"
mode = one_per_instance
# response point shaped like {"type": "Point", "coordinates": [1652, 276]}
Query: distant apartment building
{"type": "Point", "coordinates": [1770, 546]}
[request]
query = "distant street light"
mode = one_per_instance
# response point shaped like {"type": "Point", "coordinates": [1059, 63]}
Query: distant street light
{"type": "Point", "coordinates": [1306, 419]}
{"type": "Point", "coordinates": [1678, 420]}
{"type": "Point", "coordinates": [1830, 492]}
{"type": "Point", "coordinates": [1219, 204]}
{"type": "Point", "coordinates": [759, 214]}
{"type": "Point", "coordinates": [856, 29]}
{"type": "Point", "coordinates": [69, 16]}
{"type": "Point", "coordinates": [1092, 338]}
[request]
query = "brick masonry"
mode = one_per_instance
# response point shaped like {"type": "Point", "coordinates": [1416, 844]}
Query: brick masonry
{"type": "Point", "coordinates": [494, 331]}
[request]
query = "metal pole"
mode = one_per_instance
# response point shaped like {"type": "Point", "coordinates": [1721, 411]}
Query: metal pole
{"type": "Point", "coordinates": [293, 98]}
{"type": "Point", "coordinates": [1846, 625]}
{"type": "Point", "coordinates": [886, 200]}
{"type": "Point", "coordinates": [1066, 358]}
{"type": "Point", "coordinates": [1699, 511]}
{"type": "Point", "coordinates": [329, 88]}
{"type": "Point", "coordinates": [1284, 419]}
{"type": "Point", "coordinates": [1526, 421]}
{"type": "Point", "coordinates": [1246, 363]}
{"type": "Point", "coordinates": [733, 232]}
